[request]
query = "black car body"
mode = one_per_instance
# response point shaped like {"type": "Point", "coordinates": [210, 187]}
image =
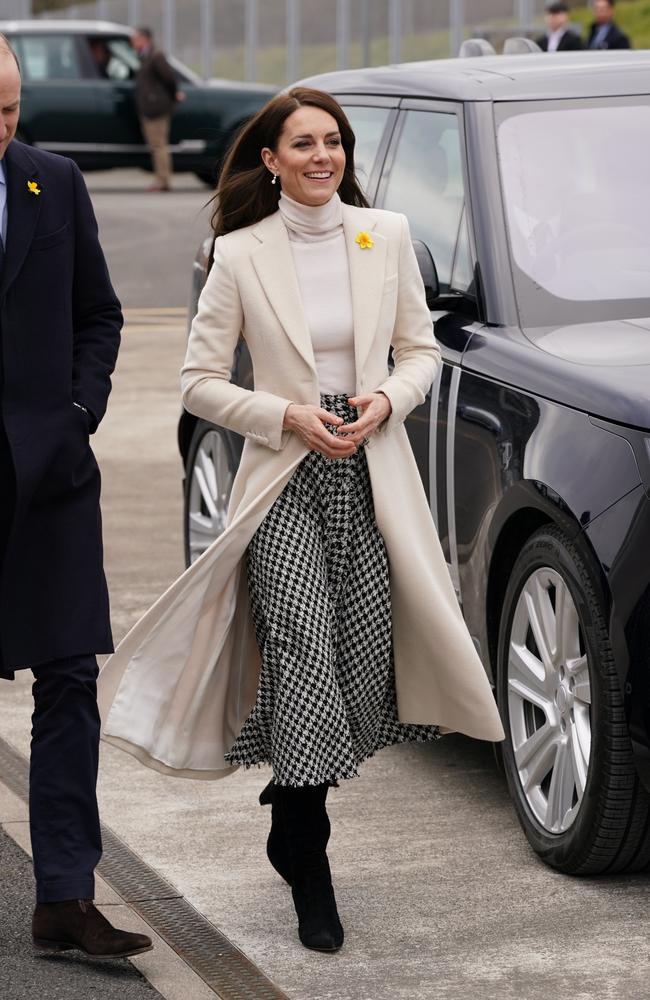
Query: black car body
{"type": "Point", "coordinates": [78, 99]}
{"type": "Point", "coordinates": [525, 179]}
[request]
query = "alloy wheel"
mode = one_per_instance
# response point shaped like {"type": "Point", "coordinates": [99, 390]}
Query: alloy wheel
{"type": "Point", "coordinates": [210, 485]}
{"type": "Point", "coordinates": [549, 700]}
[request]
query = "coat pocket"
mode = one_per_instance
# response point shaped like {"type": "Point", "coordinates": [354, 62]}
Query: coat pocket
{"type": "Point", "coordinates": [50, 239]}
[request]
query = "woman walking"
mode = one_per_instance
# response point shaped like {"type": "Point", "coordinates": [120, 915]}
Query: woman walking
{"type": "Point", "coordinates": [322, 625]}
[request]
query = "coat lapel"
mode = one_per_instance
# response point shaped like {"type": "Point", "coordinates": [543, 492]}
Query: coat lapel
{"type": "Point", "coordinates": [23, 209]}
{"type": "Point", "coordinates": [273, 262]}
{"type": "Point", "coordinates": [274, 265]}
{"type": "Point", "coordinates": [367, 272]}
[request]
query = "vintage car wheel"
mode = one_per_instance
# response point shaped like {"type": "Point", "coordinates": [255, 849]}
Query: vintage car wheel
{"type": "Point", "coordinates": [567, 754]}
{"type": "Point", "coordinates": [209, 475]}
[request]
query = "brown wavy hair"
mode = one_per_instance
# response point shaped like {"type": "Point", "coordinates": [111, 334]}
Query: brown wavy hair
{"type": "Point", "coordinates": [244, 193]}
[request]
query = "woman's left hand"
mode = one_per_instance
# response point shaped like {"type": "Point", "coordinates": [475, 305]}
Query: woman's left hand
{"type": "Point", "coordinates": [374, 407]}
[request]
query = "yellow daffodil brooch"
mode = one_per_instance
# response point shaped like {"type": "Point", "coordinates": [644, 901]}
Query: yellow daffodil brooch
{"type": "Point", "coordinates": [33, 187]}
{"type": "Point", "coordinates": [365, 240]}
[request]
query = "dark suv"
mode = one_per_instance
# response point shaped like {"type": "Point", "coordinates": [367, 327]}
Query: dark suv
{"type": "Point", "coordinates": [525, 180]}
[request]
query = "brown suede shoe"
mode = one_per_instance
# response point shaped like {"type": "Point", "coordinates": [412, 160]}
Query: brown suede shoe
{"type": "Point", "coordinates": [78, 924]}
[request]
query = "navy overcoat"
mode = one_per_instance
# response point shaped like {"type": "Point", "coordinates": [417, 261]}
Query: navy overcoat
{"type": "Point", "coordinates": [60, 326]}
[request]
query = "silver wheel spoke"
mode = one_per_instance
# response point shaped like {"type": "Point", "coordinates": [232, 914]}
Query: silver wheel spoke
{"type": "Point", "coordinates": [209, 493]}
{"type": "Point", "coordinates": [201, 524]}
{"type": "Point", "coordinates": [207, 465]}
{"type": "Point", "coordinates": [561, 789]}
{"type": "Point", "coordinates": [206, 496]}
{"type": "Point", "coordinates": [524, 679]}
{"type": "Point", "coordinates": [535, 756]}
{"type": "Point", "coordinates": [580, 760]}
{"type": "Point", "coordinates": [542, 621]}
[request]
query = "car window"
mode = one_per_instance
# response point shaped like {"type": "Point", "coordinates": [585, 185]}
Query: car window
{"type": "Point", "coordinates": [426, 184]}
{"type": "Point", "coordinates": [110, 58]}
{"type": "Point", "coordinates": [575, 186]}
{"type": "Point", "coordinates": [123, 63]}
{"type": "Point", "coordinates": [48, 57]}
{"type": "Point", "coordinates": [368, 125]}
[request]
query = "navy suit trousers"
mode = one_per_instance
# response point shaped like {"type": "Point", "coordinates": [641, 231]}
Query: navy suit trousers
{"type": "Point", "coordinates": [63, 814]}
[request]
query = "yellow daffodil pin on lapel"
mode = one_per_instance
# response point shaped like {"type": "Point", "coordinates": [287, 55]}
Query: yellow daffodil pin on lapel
{"type": "Point", "coordinates": [33, 188]}
{"type": "Point", "coordinates": [365, 240]}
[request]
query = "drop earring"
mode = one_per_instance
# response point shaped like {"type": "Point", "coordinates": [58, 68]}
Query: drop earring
{"type": "Point", "coordinates": [275, 177]}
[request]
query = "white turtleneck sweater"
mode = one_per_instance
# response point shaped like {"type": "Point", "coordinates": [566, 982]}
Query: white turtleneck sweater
{"type": "Point", "coordinates": [321, 260]}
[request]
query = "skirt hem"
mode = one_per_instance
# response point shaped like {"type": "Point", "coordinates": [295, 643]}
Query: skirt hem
{"type": "Point", "coordinates": [342, 775]}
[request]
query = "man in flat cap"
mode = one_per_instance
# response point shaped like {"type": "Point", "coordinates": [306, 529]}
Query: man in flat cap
{"type": "Point", "coordinates": [560, 36]}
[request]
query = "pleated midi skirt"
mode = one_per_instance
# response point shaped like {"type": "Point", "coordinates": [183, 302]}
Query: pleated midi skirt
{"type": "Point", "coordinates": [319, 589]}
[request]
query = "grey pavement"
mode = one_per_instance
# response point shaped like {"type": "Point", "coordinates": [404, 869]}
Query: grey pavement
{"type": "Point", "coordinates": [150, 238]}
{"type": "Point", "coordinates": [27, 975]}
{"type": "Point", "coordinates": [440, 894]}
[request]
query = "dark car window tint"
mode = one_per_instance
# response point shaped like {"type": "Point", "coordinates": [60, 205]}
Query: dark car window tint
{"type": "Point", "coordinates": [426, 184]}
{"type": "Point", "coordinates": [368, 125]}
{"type": "Point", "coordinates": [48, 57]}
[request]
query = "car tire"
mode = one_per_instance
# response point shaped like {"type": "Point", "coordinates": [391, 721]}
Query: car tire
{"type": "Point", "coordinates": [561, 704]}
{"type": "Point", "coordinates": [209, 475]}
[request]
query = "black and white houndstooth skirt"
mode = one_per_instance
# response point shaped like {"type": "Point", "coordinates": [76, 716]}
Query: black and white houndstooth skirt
{"type": "Point", "coordinates": [320, 599]}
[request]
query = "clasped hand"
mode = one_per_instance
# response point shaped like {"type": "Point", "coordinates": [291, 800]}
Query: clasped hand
{"type": "Point", "coordinates": [308, 422]}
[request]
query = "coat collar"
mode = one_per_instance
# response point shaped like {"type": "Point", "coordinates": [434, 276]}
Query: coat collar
{"type": "Point", "coordinates": [23, 209]}
{"type": "Point", "coordinates": [273, 262]}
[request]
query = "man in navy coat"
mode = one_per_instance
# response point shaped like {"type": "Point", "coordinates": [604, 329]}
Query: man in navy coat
{"type": "Point", "coordinates": [60, 327]}
{"type": "Point", "coordinates": [604, 33]}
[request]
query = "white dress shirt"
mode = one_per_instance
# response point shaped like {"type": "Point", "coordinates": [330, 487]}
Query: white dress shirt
{"type": "Point", "coordinates": [554, 39]}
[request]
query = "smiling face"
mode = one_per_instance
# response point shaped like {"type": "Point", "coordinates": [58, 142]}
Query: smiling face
{"type": "Point", "coordinates": [309, 158]}
{"type": "Point", "coordinates": [9, 99]}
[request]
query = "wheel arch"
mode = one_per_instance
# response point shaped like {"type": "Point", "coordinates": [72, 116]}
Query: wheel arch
{"type": "Point", "coordinates": [516, 520]}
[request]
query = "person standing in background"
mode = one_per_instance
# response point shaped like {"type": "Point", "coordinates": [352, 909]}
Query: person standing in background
{"type": "Point", "coordinates": [559, 37]}
{"type": "Point", "coordinates": [156, 92]}
{"type": "Point", "coordinates": [604, 34]}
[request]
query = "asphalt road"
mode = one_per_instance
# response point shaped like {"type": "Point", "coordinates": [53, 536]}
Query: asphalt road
{"type": "Point", "coordinates": [28, 975]}
{"type": "Point", "coordinates": [441, 897]}
{"type": "Point", "coordinates": [150, 238]}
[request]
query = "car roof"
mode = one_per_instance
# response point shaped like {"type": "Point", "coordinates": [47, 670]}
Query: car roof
{"type": "Point", "coordinates": [40, 26]}
{"type": "Point", "coordinates": [532, 76]}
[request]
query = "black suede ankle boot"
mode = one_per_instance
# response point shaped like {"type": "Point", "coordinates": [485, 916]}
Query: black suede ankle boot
{"type": "Point", "coordinates": [276, 845]}
{"type": "Point", "coordinates": [307, 831]}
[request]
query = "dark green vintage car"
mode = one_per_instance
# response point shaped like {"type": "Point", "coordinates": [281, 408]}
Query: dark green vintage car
{"type": "Point", "coordinates": [78, 99]}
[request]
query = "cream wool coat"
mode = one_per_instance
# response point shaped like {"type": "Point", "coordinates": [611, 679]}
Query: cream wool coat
{"type": "Point", "coordinates": [181, 684]}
